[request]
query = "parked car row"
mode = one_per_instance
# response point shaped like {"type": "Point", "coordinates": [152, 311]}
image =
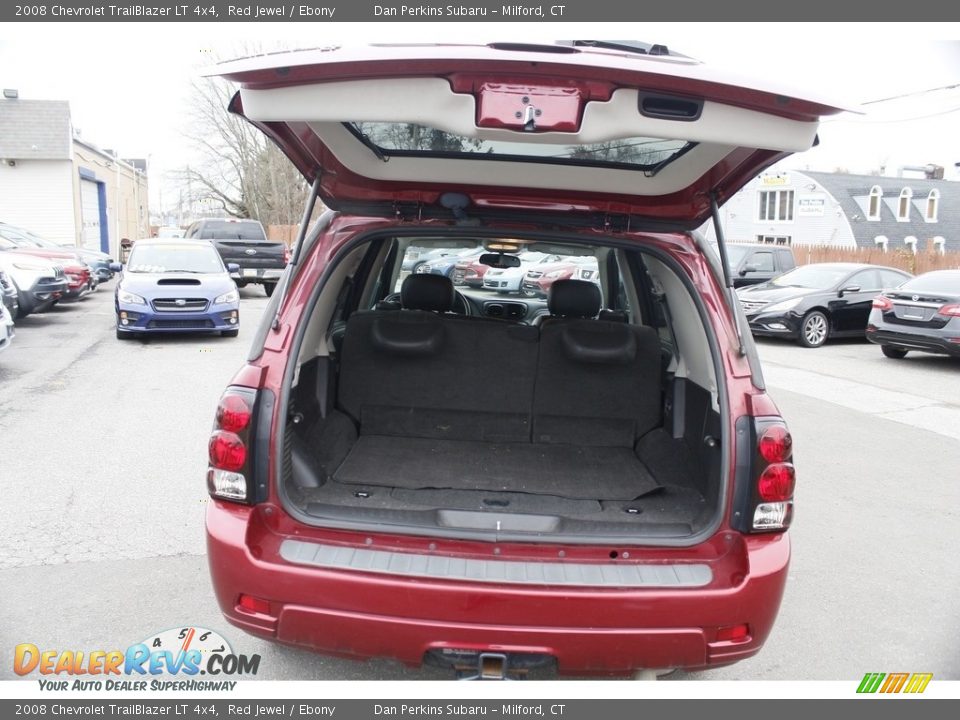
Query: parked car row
{"type": "Point", "coordinates": [36, 273]}
{"type": "Point", "coordinates": [533, 277]}
{"type": "Point", "coordinates": [820, 301]}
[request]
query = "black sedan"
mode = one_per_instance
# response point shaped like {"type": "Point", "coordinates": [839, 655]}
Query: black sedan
{"type": "Point", "coordinates": [814, 302]}
{"type": "Point", "coordinates": [922, 314]}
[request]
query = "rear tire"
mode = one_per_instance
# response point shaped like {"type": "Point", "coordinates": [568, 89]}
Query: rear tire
{"type": "Point", "coordinates": [814, 329]}
{"type": "Point", "coordinates": [892, 352]}
{"type": "Point", "coordinates": [268, 288]}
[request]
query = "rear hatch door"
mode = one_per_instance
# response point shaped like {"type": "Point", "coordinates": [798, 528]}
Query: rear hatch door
{"type": "Point", "coordinates": [554, 129]}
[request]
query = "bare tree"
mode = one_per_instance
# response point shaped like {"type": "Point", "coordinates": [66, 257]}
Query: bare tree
{"type": "Point", "coordinates": [239, 170]}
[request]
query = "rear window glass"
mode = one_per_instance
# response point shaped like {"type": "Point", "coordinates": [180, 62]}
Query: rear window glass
{"type": "Point", "coordinates": [224, 230]}
{"type": "Point", "coordinates": [637, 153]}
{"type": "Point", "coordinates": [947, 283]}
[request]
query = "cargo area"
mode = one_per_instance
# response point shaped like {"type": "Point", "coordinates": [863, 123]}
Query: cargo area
{"type": "Point", "coordinates": [574, 425]}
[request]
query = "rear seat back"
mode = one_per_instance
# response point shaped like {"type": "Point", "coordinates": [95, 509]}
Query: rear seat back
{"type": "Point", "coordinates": [430, 374]}
{"type": "Point", "coordinates": [598, 382]}
{"type": "Point", "coordinates": [422, 373]}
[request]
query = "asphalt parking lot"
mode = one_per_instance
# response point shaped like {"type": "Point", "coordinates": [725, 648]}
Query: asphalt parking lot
{"type": "Point", "coordinates": [103, 455]}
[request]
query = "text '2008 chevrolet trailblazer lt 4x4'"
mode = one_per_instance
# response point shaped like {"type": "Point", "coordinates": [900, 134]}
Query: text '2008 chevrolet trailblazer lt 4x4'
{"type": "Point", "coordinates": [438, 474]}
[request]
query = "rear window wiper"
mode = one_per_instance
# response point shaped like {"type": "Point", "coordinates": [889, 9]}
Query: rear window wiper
{"type": "Point", "coordinates": [630, 46]}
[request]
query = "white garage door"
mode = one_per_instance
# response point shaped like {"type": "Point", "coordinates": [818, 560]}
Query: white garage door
{"type": "Point", "coordinates": [90, 213]}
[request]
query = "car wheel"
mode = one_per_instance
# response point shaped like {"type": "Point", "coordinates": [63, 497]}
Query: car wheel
{"type": "Point", "coordinates": [814, 329]}
{"type": "Point", "coordinates": [230, 333]}
{"type": "Point", "coordinates": [268, 288]}
{"type": "Point", "coordinates": [892, 352]}
{"type": "Point", "coordinates": [241, 284]}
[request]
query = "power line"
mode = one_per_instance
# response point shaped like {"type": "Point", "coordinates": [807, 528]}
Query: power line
{"type": "Point", "coordinates": [915, 93]}
{"type": "Point", "coordinates": [867, 121]}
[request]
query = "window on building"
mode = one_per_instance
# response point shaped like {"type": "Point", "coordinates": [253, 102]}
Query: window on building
{"type": "Point", "coordinates": [911, 243]}
{"type": "Point", "coordinates": [776, 205]}
{"type": "Point", "coordinates": [903, 209]}
{"type": "Point", "coordinates": [933, 203]}
{"type": "Point", "coordinates": [881, 241]}
{"type": "Point", "coordinates": [775, 239]}
{"type": "Point", "coordinates": [873, 210]}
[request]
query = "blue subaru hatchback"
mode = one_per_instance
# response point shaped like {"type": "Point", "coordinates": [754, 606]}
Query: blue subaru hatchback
{"type": "Point", "coordinates": [175, 285]}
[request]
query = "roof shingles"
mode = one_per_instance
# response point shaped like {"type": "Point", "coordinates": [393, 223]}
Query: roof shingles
{"type": "Point", "coordinates": [853, 191]}
{"type": "Point", "coordinates": [34, 129]}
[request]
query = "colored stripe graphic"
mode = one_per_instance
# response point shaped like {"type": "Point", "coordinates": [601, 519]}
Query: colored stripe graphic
{"type": "Point", "coordinates": [918, 682]}
{"type": "Point", "coordinates": [894, 683]}
{"type": "Point", "coordinates": [870, 682]}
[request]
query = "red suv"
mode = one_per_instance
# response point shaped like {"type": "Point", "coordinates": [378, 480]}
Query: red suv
{"type": "Point", "coordinates": [408, 470]}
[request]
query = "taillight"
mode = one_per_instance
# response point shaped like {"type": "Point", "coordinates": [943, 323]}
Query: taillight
{"type": "Point", "coordinates": [229, 450]}
{"type": "Point", "coordinates": [775, 444]}
{"type": "Point", "coordinates": [765, 479]}
{"type": "Point", "coordinates": [952, 310]}
{"type": "Point", "coordinates": [882, 302]}
{"type": "Point", "coordinates": [776, 482]}
{"type": "Point", "coordinates": [233, 413]}
{"type": "Point", "coordinates": [775, 476]}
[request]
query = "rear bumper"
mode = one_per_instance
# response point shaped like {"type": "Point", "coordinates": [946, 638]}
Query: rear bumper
{"type": "Point", "coordinates": [931, 340]}
{"type": "Point", "coordinates": [256, 275]}
{"type": "Point", "coordinates": [588, 630]}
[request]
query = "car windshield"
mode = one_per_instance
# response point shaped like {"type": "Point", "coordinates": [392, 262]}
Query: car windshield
{"type": "Point", "coordinates": [946, 282]}
{"type": "Point", "coordinates": [174, 258]}
{"type": "Point", "coordinates": [815, 277]}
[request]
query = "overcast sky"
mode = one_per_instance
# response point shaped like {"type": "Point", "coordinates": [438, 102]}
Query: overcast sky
{"type": "Point", "coordinates": [129, 83]}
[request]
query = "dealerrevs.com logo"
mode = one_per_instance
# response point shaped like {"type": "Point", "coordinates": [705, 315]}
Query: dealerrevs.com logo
{"type": "Point", "coordinates": [170, 660]}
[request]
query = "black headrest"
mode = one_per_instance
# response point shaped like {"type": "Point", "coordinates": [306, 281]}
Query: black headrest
{"type": "Point", "coordinates": [574, 299]}
{"type": "Point", "coordinates": [434, 293]}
